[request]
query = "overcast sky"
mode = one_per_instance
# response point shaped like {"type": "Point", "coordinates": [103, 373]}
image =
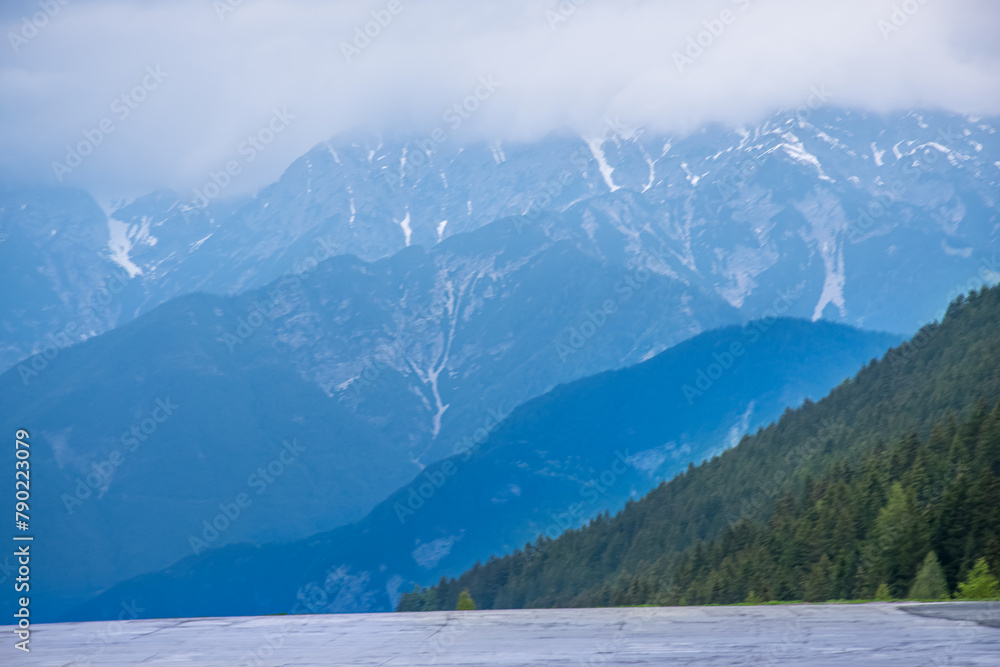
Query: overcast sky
{"type": "Point", "coordinates": [200, 75]}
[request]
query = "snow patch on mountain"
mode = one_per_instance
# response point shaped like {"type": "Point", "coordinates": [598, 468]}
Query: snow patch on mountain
{"type": "Point", "coordinates": [119, 246]}
{"type": "Point", "coordinates": [197, 244]}
{"type": "Point", "coordinates": [336, 158]}
{"type": "Point", "coordinates": [833, 284]}
{"type": "Point", "coordinates": [827, 223]}
{"type": "Point", "coordinates": [606, 169]}
{"type": "Point", "coordinates": [498, 155]}
{"type": "Point", "coordinates": [833, 141]}
{"type": "Point", "coordinates": [692, 179]}
{"type": "Point", "coordinates": [956, 252]}
{"type": "Point", "coordinates": [938, 147]}
{"type": "Point", "coordinates": [795, 150]}
{"type": "Point", "coordinates": [404, 224]}
{"type": "Point", "coordinates": [652, 169]}
{"type": "Point", "coordinates": [427, 555]}
{"type": "Point", "coordinates": [877, 154]}
{"type": "Point", "coordinates": [740, 268]}
{"type": "Point", "coordinates": [739, 429]}
{"type": "Point", "coordinates": [649, 460]}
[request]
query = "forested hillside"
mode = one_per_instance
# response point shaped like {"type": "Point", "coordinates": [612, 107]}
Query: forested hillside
{"type": "Point", "coordinates": [835, 500]}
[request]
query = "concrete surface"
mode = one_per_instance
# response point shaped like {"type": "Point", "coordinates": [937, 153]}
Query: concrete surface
{"type": "Point", "coordinates": [984, 613]}
{"type": "Point", "coordinates": [869, 634]}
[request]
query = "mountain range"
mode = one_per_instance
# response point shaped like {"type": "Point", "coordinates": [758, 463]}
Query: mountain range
{"type": "Point", "coordinates": [833, 206]}
{"type": "Point", "coordinates": [392, 303]}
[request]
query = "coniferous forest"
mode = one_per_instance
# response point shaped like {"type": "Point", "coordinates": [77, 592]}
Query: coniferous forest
{"type": "Point", "coordinates": [887, 488]}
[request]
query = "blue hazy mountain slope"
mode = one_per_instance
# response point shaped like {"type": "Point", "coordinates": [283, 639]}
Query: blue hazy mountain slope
{"type": "Point", "coordinates": [375, 368]}
{"type": "Point", "coordinates": [140, 434]}
{"type": "Point", "coordinates": [557, 460]}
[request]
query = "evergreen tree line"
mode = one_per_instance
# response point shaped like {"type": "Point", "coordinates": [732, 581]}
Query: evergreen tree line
{"type": "Point", "coordinates": [886, 488]}
{"type": "Point", "coordinates": [911, 520]}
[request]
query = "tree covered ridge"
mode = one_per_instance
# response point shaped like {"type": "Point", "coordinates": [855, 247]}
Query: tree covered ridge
{"type": "Point", "coordinates": [837, 498]}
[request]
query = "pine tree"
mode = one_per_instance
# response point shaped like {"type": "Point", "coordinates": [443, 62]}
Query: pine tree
{"type": "Point", "coordinates": [882, 594]}
{"type": "Point", "coordinates": [980, 584]}
{"type": "Point", "coordinates": [930, 583]}
{"type": "Point", "coordinates": [897, 540]}
{"type": "Point", "coordinates": [817, 585]}
{"type": "Point", "coordinates": [410, 601]}
{"type": "Point", "coordinates": [465, 602]}
{"type": "Point", "coordinates": [993, 554]}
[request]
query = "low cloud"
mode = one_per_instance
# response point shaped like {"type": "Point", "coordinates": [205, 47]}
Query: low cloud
{"type": "Point", "coordinates": [67, 66]}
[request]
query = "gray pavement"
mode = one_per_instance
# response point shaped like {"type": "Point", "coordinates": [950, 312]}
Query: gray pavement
{"type": "Point", "coordinates": [868, 634]}
{"type": "Point", "coordinates": [984, 613]}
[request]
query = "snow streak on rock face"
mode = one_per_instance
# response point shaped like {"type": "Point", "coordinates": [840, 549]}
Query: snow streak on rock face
{"type": "Point", "coordinates": [827, 226]}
